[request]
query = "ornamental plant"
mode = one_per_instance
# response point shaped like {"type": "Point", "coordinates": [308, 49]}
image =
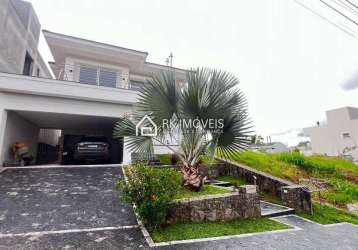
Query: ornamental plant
{"type": "Point", "coordinates": [210, 101]}
{"type": "Point", "coordinates": [151, 190]}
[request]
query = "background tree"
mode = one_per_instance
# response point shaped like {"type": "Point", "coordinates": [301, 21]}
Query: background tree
{"type": "Point", "coordinates": [208, 94]}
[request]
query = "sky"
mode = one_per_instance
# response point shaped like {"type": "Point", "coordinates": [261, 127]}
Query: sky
{"type": "Point", "coordinates": [292, 64]}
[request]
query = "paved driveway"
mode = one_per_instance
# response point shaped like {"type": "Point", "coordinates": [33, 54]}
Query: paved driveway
{"type": "Point", "coordinates": [80, 208]}
{"type": "Point", "coordinates": [40, 204]}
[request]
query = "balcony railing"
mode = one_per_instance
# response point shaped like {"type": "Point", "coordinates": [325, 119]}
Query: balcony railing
{"type": "Point", "coordinates": [95, 76]}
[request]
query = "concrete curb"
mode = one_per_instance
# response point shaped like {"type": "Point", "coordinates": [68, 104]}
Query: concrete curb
{"type": "Point", "coordinates": [62, 166]}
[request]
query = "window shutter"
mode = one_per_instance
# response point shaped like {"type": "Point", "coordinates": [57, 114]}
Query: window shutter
{"type": "Point", "coordinates": [108, 78]}
{"type": "Point", "coordinates": [88, 75]}
{"type": "Point", "coordinates": [135, 85]}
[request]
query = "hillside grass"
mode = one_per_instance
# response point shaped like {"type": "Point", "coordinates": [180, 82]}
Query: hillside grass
{"type": "Point", "coordinates": [328, 215]}
{"type": "Point", "coordinates": [340, 175]}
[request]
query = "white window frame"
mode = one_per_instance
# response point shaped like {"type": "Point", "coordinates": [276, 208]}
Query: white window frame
{"type": "Point", "coordinates": [120, 71]}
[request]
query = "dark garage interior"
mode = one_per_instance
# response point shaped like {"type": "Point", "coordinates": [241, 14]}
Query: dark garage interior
{"type": "Point", "coordinates": [52, 137]}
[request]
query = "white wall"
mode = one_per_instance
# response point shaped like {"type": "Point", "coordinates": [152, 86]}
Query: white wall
{"type": "Point", "coordinates": [3, 118]}
{"type": "Point", "coordinates": [328, 139]}
{"type": "Point", "coordinates": [19, 130]}
{"type": "Point", "coordinates": [164, 150]}
{"type": "Point", "coordinates": [49, 136]}
{"type": "Point", "coordinates": [70, 90]}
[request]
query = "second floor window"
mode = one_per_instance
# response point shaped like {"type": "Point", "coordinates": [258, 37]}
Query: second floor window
{"type": "Point", "coordinates": [88, 75]}
{"type": "Point", "coordinates": [135, 85]}
{"type": "Point", "coordinates": [99, 76]}
{"type": "Point", "coordinates": [346, 135]}
{"type": "Point", "coordinates": [108, 78]}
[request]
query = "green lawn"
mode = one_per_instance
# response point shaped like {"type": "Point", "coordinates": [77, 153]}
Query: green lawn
{"type": "Point", "coordinates": [185, 231]}
{"type": "Point", "coordinates": [328, 215]}
{"type": "Point", "coordinates": [206, 190]}
{"type": "Point", "coordinates": [340, 174]}
{"type": "Point", "coordinates": [233, 180]}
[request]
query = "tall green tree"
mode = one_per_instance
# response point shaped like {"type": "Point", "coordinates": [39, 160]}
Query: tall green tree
{"type": "Point", "coordinates": [210, 101]}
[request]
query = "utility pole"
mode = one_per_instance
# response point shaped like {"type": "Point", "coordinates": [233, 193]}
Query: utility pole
{"type": "Point", "coordinates": [171, 59]}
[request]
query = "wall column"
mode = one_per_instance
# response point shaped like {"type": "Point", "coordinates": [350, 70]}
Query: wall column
{"type": "Point", "coordinates": [297, 197]}
{"type": "Point", "coordinates": [127, 158]}
{"type": "Point", "coordinates": [3, 119]}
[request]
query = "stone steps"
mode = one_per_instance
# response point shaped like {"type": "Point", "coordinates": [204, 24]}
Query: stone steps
{"type": "Point", "coordinates": [273, 210]}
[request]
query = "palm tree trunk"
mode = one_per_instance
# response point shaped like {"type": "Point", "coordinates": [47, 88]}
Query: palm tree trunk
{"type": "Point", "coordinates": [192, 179]}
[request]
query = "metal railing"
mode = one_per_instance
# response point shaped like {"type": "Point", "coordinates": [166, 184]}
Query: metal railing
{"type": "Point", "coordinates": [94, 75]}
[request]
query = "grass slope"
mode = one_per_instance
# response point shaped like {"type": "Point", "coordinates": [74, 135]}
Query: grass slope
{"type": "Point", "coordinates": [328, 215]}
{"type": "Point", "coordinates": [185, 231]}
{"type": "Point", "coordinates": [341, 175]}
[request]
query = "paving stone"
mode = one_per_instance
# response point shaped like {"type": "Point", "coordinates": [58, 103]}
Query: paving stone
{"type": "Point", "coordinates": [61, 198]}
{"type": "Point", "coordinates": [104, 240]}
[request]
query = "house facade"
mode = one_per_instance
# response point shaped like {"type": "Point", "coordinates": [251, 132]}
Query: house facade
{"type": "Point", "coordinates": [92, 84]}
{"type": "Point", "coordinates": [338, 136]}
{"type": "Point", "coordinates": [20, 31]}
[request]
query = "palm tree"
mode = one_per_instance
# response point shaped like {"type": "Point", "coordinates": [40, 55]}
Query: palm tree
{"type": "Point", "coordinates": [210, 101]}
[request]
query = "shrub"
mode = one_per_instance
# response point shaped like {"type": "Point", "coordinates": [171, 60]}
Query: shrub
{"type": "Point", "coordinates": [165, 159]}
{"type": "Point", "coordinates": [151, 190]}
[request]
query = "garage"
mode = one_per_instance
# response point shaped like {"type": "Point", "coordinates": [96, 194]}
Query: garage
{"type": "Point", "coordinates": [50, 116]}
{"type": "Point", "coordinates": [53, 138]}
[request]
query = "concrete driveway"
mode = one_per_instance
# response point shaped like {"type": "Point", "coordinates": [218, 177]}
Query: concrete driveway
{"type": "Point", "coordinates": [77, 203]}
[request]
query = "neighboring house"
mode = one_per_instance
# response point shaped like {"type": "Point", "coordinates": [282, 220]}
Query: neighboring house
{"type": "Point", "coordinates": [19, 37]}
{"type": "Point", "coordinates": [96, 83]}
{"type": "Point", "coordinates": [272, 147]}
{"type": "Point", "coordinates": [338, 136]}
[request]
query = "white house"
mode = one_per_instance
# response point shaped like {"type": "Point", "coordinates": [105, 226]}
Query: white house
{"type": "Point", "coordinates": [95, 83]}
{"type": "Point", "coordinates": [338, 136]}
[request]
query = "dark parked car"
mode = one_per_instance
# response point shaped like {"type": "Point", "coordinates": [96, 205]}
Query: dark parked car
{"type": "Point", "coordinates": [92, 148]}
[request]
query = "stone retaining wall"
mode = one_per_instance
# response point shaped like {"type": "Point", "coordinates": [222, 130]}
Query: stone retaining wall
{"type": "Point", "coordinates": [243, 203]}
{"type": "Point", "coordinates": [297, 197]}
{"type": "Point", "coordinates": [293, 196]}
{"type": "Point", "coordinates": [265, 182]}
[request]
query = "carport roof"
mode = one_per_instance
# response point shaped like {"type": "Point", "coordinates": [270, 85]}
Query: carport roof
{"type": "Point", "coordinates": [66, 121]}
